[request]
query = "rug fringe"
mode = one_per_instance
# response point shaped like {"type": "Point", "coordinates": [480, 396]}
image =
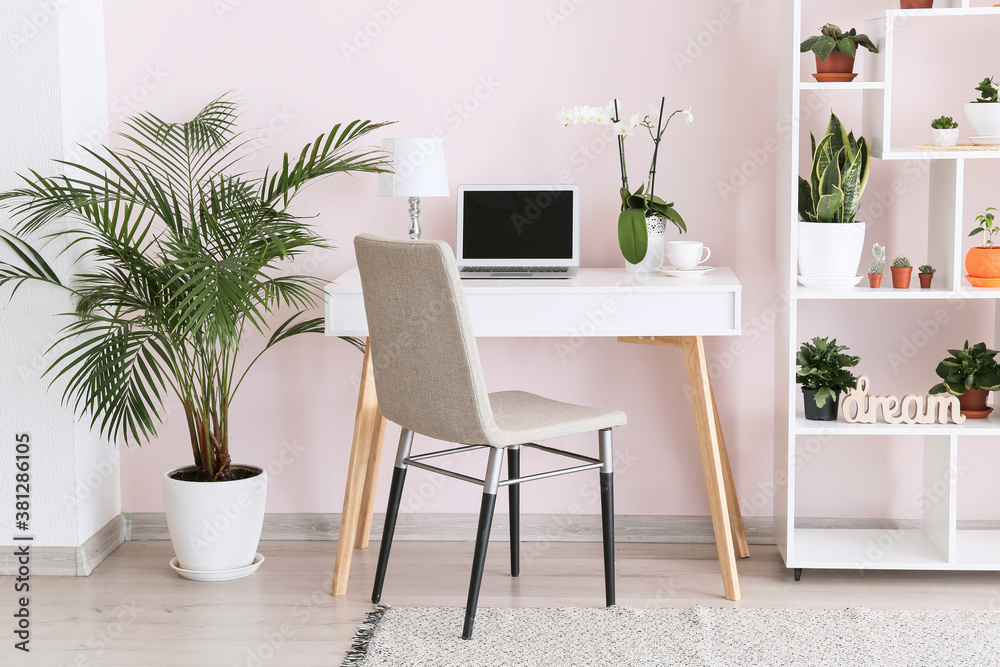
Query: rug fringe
{"type": "Point", "coordinates": [359, 645]}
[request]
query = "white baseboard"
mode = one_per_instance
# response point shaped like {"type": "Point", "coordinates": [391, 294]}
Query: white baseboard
{"type": "Point", "coordinates": [70, 561]}
{"type": "Point", "coordinates": [534, 527]}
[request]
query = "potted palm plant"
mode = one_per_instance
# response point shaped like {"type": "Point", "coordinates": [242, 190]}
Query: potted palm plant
{"type": "Point", "coordinates": [830, 240]}
{"type": "Point", "coordinates": [971, 374]}
{"type": "Point", "coordinates": [823, 375]}
{"type": "Point", "coordinates": [835, 51]}
{"type": "Point", "coordinates": [181, 256]}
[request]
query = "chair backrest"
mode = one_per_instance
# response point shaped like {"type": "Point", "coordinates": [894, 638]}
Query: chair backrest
{"type": "Point", "coordinates": [427, 372]}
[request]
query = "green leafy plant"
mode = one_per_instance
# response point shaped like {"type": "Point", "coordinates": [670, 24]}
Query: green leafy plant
{"type": "Point", "coordinates": [969, 368]}
{"type": "Point", "coordinates": [823, 368]}
{"type": "Point", "coordinates": [633, 237]}
{"type": "Point", "coordinates": [944, 123]}
{"type": "Point", "coordinates": [987, 91]}
{"type": "Point", "coordinates": [831, 40]}
{"type": "Point", "coordinates": [878, 264]}
{"type": "Point", "coordinates": [901, 262]}
{"type": "Point", "coordinates": [927, 269]}
{"type": "Point", "coordinates": [986, 225]}
{"type": "Point", "coordinates": [839, 175]}
{"type": "Point", "coordinates": [182, 256]}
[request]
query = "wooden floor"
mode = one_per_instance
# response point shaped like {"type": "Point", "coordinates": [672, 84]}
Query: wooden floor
{"type": "Point", "coordinates": [133, 610]}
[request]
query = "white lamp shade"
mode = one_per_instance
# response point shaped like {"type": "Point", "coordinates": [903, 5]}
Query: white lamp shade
{"type": "Point", "coordinates": [418, 169]}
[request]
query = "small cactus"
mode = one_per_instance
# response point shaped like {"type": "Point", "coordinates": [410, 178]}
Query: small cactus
{"type": "Point", "coordinates": [927, 268]}
{"type": "Point", "coordinates": [878, 264]}
{"type": "Point", "coordinates": [901, 262]}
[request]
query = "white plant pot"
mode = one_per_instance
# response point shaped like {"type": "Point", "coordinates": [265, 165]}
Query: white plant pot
{"type": "Point", "coordinates": [830, 249]}
{"type": "Point", "coordinates": [945, 137]}
{"type": "Point", "coordinates": [984, 118]}
{"type": "Point", "coordinates": [656, 232]}
{"type": "Point", "coordinates": [215, 526]}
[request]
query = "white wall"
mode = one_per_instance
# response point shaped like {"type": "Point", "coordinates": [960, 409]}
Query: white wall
{"type": "Point", "coordinates": [53, 75]}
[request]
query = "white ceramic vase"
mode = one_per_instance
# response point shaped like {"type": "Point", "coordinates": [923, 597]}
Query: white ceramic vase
{"type": "Point", "coordinates": [830, 249]}
{"type": "Point", "coordinates": [656, 232]}
{"type": "Point", "coordinates": [984, 117]}
{"type": "Point", "coordinates": [945, 137]}
{"type": "Point", "coordinates": [215, 526]}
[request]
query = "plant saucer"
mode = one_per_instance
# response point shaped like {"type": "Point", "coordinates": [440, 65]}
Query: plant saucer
{"type": "Point", "coordinates": [218, 575]}
{"type": "Point", "coordinates": [983, 282]}
{"type": "Point", "coordinates": [985, 141]}
{"type": "Point", "coordinates": [684, 273]}
{"type": "Point", "coordinates": [830, 283]}
{"type": "Point", "coordinates": [977, 414]}
{"type": "Point", "coordinates": [834, 77]}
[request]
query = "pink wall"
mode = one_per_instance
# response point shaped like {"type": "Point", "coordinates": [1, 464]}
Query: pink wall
{"type": "Point", "coordinates": [490, 77]}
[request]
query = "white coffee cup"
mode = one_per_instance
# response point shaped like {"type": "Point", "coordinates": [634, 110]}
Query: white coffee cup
{"type": "Point", "coordinates": [686, 255]}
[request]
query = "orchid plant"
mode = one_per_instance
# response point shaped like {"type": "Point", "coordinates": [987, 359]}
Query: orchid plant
{"type": "Point", "coordinates": [633, 236]}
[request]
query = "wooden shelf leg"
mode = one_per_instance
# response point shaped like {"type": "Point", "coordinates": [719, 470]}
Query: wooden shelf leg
{"type": "Point", "coordinates": [732, 501]}
{"type": "Point", "coordinates": [711, 459]}
{"type": "Point", "coordinates": [365, 423]}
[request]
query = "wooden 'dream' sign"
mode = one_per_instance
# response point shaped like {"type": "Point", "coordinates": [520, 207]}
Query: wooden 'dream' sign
{"type": "Point", "coordinates": [859, 408]}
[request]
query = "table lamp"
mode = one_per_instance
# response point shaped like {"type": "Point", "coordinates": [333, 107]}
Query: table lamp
{"type": "Point", "coordinates": [417, 171]}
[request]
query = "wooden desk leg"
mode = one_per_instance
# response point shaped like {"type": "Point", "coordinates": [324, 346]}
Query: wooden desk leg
{"type": "Point", "coordinates": [371, 480]}
{"type": "Point", "coordinates": [733, 502]}
{"type": "Point", "coordinates": [365, 422]}
{"type": "Point", "coordinates": [711, 459]}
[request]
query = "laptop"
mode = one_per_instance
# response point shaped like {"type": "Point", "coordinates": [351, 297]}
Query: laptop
{"type": "Point", "coordinates": [518, 231]}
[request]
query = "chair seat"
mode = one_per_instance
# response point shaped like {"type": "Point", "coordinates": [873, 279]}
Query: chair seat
{"type": "Point", "coordinates": [524, 417]}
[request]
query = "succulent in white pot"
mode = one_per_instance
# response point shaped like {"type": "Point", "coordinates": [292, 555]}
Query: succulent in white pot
{"type": "Point", "coordinates": [984, 113]}
{"type": "Point", "coordinates": [830, 240]}
{"type": "Point", "coordinates": [945, 131]}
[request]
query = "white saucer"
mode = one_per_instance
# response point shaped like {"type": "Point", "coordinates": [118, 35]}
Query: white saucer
{"type": "Point", "coordinates": [684, 273]}
{"type": "Point", "coordinates": [830, 283]}
{"type": "Point", "coordinates": [218, 575]}
{"type": "Point", "coordinates": [985, 141]}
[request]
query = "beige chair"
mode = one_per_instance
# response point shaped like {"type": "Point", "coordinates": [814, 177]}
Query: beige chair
{"type": "Point", "coordinates": [429, 381]}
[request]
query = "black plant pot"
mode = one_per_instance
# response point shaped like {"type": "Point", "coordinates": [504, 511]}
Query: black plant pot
{"type": "Point", "coordinates": [827, 413]}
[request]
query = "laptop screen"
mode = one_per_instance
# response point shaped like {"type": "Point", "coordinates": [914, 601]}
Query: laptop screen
{"type": "Point", "coordinates": [517, 224]}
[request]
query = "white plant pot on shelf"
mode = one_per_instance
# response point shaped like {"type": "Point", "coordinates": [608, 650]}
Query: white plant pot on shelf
{"type": "Point", "coordinates": [829, 250]}
{"type": "Point", "coordinates": [984, 117]}
{"type": "Point", "coordinates": [945, 138]}
{"type": "Point", "coordinates": [215, 526]}
{"type": "Point", "coordinates": [656, 233]}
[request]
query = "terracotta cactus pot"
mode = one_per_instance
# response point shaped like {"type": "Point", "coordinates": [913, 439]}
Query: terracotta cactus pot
{"type": "Point", "coordinates": [875, 280]}
{"type": "Point", "coordinates": [925, 280]}
{"type": "Point", "coordinates": [916, 4]}
{"type": "Point", "coordinates": [901, 277]}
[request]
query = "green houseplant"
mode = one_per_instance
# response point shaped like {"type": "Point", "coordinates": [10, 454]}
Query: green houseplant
{"type": "Point", "coordinates": [982, 262]}
{"type": "Point", "coordinates": [841, 164]}
{"type": "Point", "coordinates": [971, 374]}
{"type": "Point", "coordinates": [945, 131]}
{"type": "Point", "coordinates": [984, 112]}
{"type": "Point", "coordinates": [835, 51]}
{"type": "Point", "coordinates": [181, 257]}
{"type": "Point", "coordinates": [823, 375]}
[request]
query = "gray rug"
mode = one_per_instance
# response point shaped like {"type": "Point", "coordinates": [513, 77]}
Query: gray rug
{"type": "Point", "coordinates": [699, 636]}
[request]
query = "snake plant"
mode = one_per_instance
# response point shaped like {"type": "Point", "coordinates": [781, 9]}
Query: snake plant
{"type": "Point", "coordinates": [182, 257]}
{"type": "Point", "coordinates": [839, 175]}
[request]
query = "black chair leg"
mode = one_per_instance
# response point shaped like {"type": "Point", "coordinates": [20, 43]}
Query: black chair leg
{"type": "Point", "coordinates": [395, 495]}
{"type": "Point", "coordinates": [514, 471]}
{"type": "Point", "coordinates": [479, 561]}
{"type": "Point", "coordinates": [608, 530]}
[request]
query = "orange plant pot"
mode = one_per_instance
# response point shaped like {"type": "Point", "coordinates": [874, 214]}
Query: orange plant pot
{"type": "Point", "coordinates": [875, 280]}
{"type": "Point", "coordinates": [916, 4]}
{"type": "Point", "coordinates": [901, 277]}
{"type": "Point", "coordinates": [925, 280]}
{"type": "Point", "coordinates": [983, 262]}
{"type": "Point", "coordinates": [835, 63]}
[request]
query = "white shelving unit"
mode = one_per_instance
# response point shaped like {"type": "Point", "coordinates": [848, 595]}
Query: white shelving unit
{"type": "Point", "coordinates": [936, 543]}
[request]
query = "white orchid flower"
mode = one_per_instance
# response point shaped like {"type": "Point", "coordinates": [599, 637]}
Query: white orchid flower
{"type": "Point", "coordinates": [603, 116]}
{"type": "Point", "coordinates": [622, 129]}
{"type": "Point", "coordinates": [637, 119]}
{"type": "Point", "coordinates": [580, 114]}
{"type": "Point", "coordinates": [594, 114]}
{"type": "Point", "coordinates": [564, 117]}
{"type": "Point", "coordinates": [688, 116]}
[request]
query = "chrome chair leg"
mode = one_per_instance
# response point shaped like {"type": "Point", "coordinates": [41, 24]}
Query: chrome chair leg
{"type": "Point", "coordinates": [392, 511]}
{"type": "Point", "coordinates": [490, 487]}
{"type": "Point", "coordinates": [608, 514]}
{"type": "Point", "coordinates": [514, 491]}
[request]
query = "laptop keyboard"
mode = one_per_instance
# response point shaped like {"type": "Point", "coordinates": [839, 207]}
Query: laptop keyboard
{"type": "Point", "coordinates": [515, 269]}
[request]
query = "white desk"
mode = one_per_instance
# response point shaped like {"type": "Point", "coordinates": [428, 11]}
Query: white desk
{"type": "Point", "coordinates": [649, 309]}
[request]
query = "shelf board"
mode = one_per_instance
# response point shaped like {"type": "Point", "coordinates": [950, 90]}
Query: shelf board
{"type": "Point", "coordinates": [842, 85]}
{"type": "Point", "coordinates": [887, 291]}
{"type": "Point", "coordinates": [972, 427]}
{"type": "Point", "coordinates": [977, 549]}
{"type": "Point", "coordinates": [911, 153]}
{"type": "Point", "coordinates": [865, 549]}
{"type": "Point", "coordinates": [939, 12]}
